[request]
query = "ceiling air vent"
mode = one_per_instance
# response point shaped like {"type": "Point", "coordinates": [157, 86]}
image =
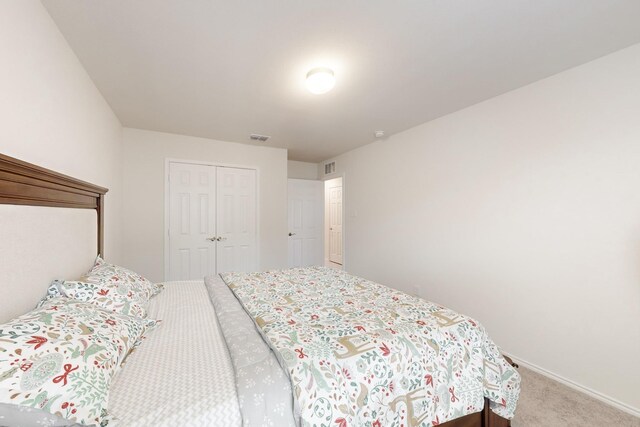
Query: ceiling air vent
{"type": "Point", "coordinates": [329, 168]}
{"type": "Point", "coordinates": [256, 137]}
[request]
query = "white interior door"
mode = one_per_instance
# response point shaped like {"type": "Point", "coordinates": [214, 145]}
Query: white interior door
{"type": "Point", "coordinates": [236, 220]}
{"type": "Point", "coordinates": [305, 222]}
{"type": "Point", "coordinates": [335, 224]}
{"type": "Point", "coordinates": [192, 190]}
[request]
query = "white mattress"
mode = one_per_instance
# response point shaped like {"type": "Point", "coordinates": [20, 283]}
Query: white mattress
{"type": "Point", "coordinates": [181, 374]}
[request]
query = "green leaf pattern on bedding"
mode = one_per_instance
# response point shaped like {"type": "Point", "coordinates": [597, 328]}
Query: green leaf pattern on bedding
{"type": "Point", "coordinates": [115, 297]}
{"type": "Point", "coordinates": [109, 275]}
{"type": "Point", "coordinates": [361, 354]}
{"type": "Point", "coordinates": [61, 357]}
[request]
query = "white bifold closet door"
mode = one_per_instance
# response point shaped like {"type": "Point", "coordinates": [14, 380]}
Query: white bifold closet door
{"type": "Point", "coordinates": [212, 220]}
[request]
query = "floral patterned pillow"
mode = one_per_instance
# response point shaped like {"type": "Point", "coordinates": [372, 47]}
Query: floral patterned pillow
{"type": "Point", "coordinates": [61, 358]}
{"type": "Point", "coordinates": [106, 274]}
{"type": "Point", "coordinates": [119, 297]}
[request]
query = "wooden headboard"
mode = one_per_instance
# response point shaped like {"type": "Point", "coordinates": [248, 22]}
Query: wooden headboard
{"type": "Point", "coordinates": [23, 183]}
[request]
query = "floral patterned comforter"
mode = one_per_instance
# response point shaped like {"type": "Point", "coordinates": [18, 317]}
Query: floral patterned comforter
{"type": "Point", "coordinates": [361, 354]}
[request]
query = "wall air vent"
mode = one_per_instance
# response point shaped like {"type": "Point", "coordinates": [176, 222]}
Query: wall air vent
{"type": "Point", "coordinates": [256, 137]}
{"type": "Point", "coordinates": [329, 168]}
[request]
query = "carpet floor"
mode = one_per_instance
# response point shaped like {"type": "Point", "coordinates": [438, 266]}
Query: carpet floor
{"type": "Point", "coordinates": [563, 406]}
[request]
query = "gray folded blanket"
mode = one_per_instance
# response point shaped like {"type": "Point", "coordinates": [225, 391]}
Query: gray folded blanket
{"type": "Point", "coordinates": [264, 390]}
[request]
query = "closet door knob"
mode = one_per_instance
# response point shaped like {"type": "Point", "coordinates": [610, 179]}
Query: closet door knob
{"type": "Point", "coordinates": [212, 239]}
{"type": "Point", "coordinates": [221, 239]}
{"type": "Point", "coordinates": [292, 234]}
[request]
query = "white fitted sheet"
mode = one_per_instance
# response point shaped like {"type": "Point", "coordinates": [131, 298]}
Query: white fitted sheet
{"type": "Point", "coordinates": [181, 374]}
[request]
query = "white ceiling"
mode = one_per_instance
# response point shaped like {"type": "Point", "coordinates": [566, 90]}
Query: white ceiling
{"type": "Point", "coordinates": [225, 69]}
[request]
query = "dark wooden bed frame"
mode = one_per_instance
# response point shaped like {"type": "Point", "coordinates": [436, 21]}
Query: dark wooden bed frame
{"type": "Point", "coordinates": [23, 183]}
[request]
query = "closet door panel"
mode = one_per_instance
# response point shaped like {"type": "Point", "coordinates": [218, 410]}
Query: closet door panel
{"type": "Point", "coordinates": [192, 211]}
{"type": "Point", "coordinates": [236, 220]}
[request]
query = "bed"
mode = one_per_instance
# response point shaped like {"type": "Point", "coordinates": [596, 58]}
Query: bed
{"type": "Point", "coordinates": [213, 360]}
{"type": "Point", "coordinates": [359, 353]}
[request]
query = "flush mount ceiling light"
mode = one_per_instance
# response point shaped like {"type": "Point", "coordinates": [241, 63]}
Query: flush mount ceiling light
{"type": "Point", "coordinates": [320, 80]}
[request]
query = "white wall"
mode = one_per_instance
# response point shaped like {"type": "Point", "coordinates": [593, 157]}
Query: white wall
{"type": "Point", "coordinates": [302, 170]}
{"type": "Point", "coordinates": [522, 211]}
{"type": "Point", "coordinates": [51, 112]}
{"type": "Point", "coordinates": [144, 172]}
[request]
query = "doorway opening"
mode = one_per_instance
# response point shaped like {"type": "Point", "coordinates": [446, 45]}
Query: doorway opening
{"type": "Point", "coordinates": [333, 223]}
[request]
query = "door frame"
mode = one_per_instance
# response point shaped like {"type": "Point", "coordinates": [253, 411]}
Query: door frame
{"type": "Point", "coordinates": [167, 213]}
{"type": "Point", "coordinates": [325, 178]}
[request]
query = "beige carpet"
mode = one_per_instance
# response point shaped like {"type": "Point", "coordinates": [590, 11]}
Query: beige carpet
{"type": "Point", "coordinates": [563, 406]}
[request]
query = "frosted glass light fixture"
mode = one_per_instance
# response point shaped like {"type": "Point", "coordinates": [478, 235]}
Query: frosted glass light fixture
{"type": "Point", "coordinates": [320, 80]}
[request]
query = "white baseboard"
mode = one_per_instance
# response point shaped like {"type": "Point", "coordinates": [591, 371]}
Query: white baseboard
{"type": "Point", "coordinates": [578, 387]}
